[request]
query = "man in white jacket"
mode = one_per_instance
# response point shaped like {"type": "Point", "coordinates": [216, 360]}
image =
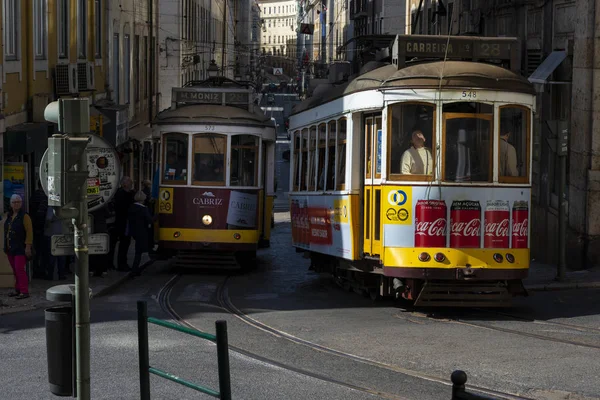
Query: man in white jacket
{"type": "Point", "coordinates": [417, 160]}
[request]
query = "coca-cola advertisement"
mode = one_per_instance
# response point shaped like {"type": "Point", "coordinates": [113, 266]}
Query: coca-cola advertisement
{"type": "Point", "coordinates": [465, 224]}
{"type": "Point", "coordinates": [430, 223]}
{"type": "Point", "coordinates": [520, 224]}
{"type": "Point", "coordinates": [497, 224]}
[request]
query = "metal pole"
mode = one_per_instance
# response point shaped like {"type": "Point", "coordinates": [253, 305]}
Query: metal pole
{"type": "Point", "coordinates": [82, 295]}
{"type": "Point", "coordinates": [562, 221]}
{"type": "Point", "coordinates": [142, 309]}
{"type": "Point", "coordinates": [151, 48]}
{"type": "Point", "coordinates": [223, 360]}
{"type": "Point", "coordinates": [224, 37]}
{"type": "Point", "coordinates": [458, 378]}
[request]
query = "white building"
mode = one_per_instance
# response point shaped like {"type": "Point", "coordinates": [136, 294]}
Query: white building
{"type": "Point", "coordinates": [279, 25]}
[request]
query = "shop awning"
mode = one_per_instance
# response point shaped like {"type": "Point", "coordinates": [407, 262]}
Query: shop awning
{"type": "Point", "coordinates": [547, 67]}
{"type": "Point", "coordinates": [140, 133]}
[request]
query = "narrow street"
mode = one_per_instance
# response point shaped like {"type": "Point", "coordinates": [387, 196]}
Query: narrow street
{"type": "Point", "coordinates": [295, 335]}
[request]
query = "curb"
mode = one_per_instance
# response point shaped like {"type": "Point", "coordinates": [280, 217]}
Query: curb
{"type": "Point", "coordinates": [562, 286]}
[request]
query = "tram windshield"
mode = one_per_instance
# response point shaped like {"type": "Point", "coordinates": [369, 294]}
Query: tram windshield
{"type": "Point", "coordinates": [175, 156]}
{"type": "Point", "coordinates": [209, 159]}
{"type": "Point", "coordinates": [468, 142]}
{"type": "Point", "coordinates": [513, 146]}
{"type": "Point", "coordinates": [244, 160]}
{"type": "Point", "coordinates": [412, 139]}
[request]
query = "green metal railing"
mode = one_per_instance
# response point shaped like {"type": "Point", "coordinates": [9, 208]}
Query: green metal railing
{"type": "Point", "coordinates": [145, 369]}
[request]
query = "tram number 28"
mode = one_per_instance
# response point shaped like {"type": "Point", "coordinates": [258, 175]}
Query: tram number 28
{"type": "Point", "coordinates": [471, 94]}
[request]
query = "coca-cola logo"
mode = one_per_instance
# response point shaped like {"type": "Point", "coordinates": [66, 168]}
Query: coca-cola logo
{"type": "Point", "coordinates": [520, 228]}
{"type": "Point", "coordinates": [470, 228]}
{"type": "Point", "coordinates": [498, 229]}
{"type": "Point", "coordinates": [428, 228]}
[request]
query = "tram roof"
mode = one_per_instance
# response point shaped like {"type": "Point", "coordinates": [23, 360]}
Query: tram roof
{"type": "Point", "coordinates": [215, 114]}
{"type": "Point", "coordinates": [425, 75]}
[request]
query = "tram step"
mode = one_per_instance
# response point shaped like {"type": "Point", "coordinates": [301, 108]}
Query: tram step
{"type": "Point", "coordinates": [463, 295]}
{"type": "Point", "coordinates": [205, 260]}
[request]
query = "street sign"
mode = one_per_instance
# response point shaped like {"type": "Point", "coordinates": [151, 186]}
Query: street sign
{"type": "Point", "coordinates": [307, 29]}
{"type": "Point", "coordinates": [62, 245]}
{"type": "Point", "coordinates": [277, 71]}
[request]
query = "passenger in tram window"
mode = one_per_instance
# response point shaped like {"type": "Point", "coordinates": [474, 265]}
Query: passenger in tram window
{"type": "Point", "coordinates": [508, 156]}
{"type": "Point", "coordinates": [417, 160]}
{"type": "Point", "coordinates": [208, 171]}
{"type": "Point", "coordinates": [175, 169]}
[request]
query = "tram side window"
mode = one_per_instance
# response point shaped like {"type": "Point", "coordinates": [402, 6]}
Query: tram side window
{"type": "Point", "coordinates": [296, 139]}
{"type": "Point", "coordinates": [331, 155]}
{"type": "Point", "coordinates": [412, 140]}
{"type": "Point", "coordinates": [468, 142]}
{"type": "Point", "coordinates": [341, 159]}
{"type": "Point", "coordinates": [304, 150]}
{"type": "Point", "coordinates": [244, 160]}
{"type": "Point", "coordinates": [175, 158]}
{"type": "Point", "coordinates": [513, 146]}
{"type": "Point", "coordinates": [322, 148]}
{"type": "Point", "coordinates": [312, 149]}
{"type": "Point", "coordinates": [209, 159]}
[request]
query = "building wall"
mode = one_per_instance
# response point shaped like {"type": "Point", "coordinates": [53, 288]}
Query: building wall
{"type": "Point", "coordinates": [279, 19]}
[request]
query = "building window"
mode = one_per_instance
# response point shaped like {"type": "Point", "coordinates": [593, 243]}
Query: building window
{"type": "Point", "coordinates": [98, 35]}
{"type": "Point", "coordinates": [62, 10]}
{"type": "Point", "coordinates": [116, 65]}
{"type": "Point", "coordinates": [145, 66]}
{"type": "Point", "coordinates": [11, 13]}
{"type": "Point", "coordinates": [136, 67]}
{"type": "Point", "coordinates": [40, 28]}
{"type": "Point", "coordinates": [244, 160]}
{"type": "Point", "coordinates": [127, 67]}
{"type": "Point", "coordinates": [209, 159]}
{"type": "Point", "coordinates": [82, 29]}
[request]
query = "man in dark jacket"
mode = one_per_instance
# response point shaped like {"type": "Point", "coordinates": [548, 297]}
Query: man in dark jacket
{"type": "Point", "coordinates": [122, 200]}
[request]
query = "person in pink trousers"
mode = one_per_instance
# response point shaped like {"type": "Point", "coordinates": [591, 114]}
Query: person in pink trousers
{"type": "Point", "coordinates": [18, 237]}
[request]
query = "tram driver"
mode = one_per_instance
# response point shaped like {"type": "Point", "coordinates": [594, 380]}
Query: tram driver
{"type": "Point", "coordinates": [417, 159]}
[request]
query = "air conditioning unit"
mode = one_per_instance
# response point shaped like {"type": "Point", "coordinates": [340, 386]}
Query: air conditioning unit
{"type": "Point", "coordinates": [85, 75]}
{"type": "Point", "coordinates": [39, 103]}
{"type": "Point", "coordinates": [65, 77]}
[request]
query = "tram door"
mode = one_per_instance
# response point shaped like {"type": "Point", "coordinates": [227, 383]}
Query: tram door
{"type": "Point", "coordinates": [372, 191]}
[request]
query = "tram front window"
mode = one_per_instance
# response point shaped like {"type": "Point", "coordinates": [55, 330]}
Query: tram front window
{"type": "Point", "coordinates": [209, 159]}
{"type": "Point", "coordinates": [468, 142]}
{"type": "Point", "coordinates": [412, 138]}
{"type": "Point", "coordinates": [244, 160]}
{"type": "Point", "coordinates": [513, 145]}
{"type": "Point", "coordinates": [175, 158]}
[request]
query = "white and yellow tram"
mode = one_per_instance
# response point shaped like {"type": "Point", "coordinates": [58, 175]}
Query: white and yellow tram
{"type": "Point", "coordinates": [414, 180]}
{"type": "Point", "coordinates": [217, 174]}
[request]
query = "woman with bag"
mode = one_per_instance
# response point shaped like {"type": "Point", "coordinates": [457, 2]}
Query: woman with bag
{"type": "Point", "coordinates": [18, 237]}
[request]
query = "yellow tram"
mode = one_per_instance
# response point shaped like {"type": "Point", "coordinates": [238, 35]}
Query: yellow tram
{"type": "Point", "coordinates": [217, 175]}
{"type": "Point", "coordinates": [413, 178]}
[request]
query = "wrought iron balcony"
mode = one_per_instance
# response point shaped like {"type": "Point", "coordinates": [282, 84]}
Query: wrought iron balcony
{"type": "Point", "coordinates": [358, 9]}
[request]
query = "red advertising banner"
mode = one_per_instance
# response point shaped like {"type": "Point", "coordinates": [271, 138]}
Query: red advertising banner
{"type": "Point", "coordinates": [320, 226]}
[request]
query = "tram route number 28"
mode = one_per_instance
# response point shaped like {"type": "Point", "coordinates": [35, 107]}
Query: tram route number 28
{"type": "Point", "coordinates": [471, 94]}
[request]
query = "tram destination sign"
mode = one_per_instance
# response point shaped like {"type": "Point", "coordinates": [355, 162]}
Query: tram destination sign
{"type": "Point", "coordinates": [458, 47]}
{"type": "Point", "coordinates": [211, 96]}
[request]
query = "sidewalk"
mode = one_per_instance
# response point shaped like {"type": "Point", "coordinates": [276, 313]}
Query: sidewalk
{"type": "Point", "coordinates": [38, 287]}
{"type": "Point", "coordinates": [542, 278]}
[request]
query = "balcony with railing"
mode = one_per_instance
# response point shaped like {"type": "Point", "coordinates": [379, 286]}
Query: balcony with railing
{"type": "Point", "coordinates": [358, 9]}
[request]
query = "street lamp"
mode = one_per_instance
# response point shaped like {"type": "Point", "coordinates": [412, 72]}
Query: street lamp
{"type": "Point", "coordinates": [212, 69]}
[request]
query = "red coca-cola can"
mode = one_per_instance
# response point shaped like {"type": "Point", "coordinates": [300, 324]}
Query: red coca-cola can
{"type": "Point", "coordinates": [465, 224]}
{"type": "Point", "coordinates": [520, 224]}
{"type": "Point", "coordinates": [430, 223]}
{"type": "Point", "coordinates": [497, 224]}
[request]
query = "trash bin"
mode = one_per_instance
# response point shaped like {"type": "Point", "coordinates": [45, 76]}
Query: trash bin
{"type": "Point", "coordinates": [59, 347]}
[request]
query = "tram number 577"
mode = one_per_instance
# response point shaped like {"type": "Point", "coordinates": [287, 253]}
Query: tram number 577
{"type": "Point", "coordinates": [471, 94]}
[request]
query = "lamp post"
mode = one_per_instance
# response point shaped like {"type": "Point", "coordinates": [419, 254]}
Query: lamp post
{"type": "Point", "coordinates": [212, 69]}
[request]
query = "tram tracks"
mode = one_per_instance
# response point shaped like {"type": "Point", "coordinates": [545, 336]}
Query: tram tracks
{"type": "Point", "coordinates": [224, 302]}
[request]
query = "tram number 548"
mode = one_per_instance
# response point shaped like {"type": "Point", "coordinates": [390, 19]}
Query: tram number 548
{"type": "Point", "coordinates": [471, 94]}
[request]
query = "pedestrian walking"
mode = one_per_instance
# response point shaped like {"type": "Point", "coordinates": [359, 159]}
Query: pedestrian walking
{"type": "Point", "coordinates": [53, 226]}
{"type": "Point", "coordinates": [122, 201]}
{"type": "Point", "coordinates": [18, 238]}
{"type": "Point", "coordinates": [139, 222]}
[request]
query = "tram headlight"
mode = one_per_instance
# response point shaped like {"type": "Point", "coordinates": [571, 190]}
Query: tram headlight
{"type": "Point", "coordinates": [207, 220]}
{"type": "Point", "coordinates": [498, 257]}
{"type": "Point", "coordinates": [439, 257]}
{"type": "Point", "coordinates": [424, 257]}
{"type": "Point", "coordinates": [237, 236]}
{"type": "Point", "coordinates": [510, 258]}
{"type": "Point", "coordinates": [176, 234]}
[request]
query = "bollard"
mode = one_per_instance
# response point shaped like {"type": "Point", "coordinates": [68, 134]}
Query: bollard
{"type": "Point", "coordinates": [223, 360]}
{"type": "Point", "coordinates": [458, 378]}
{"type": "Point", "coordinates": [142, 309]}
